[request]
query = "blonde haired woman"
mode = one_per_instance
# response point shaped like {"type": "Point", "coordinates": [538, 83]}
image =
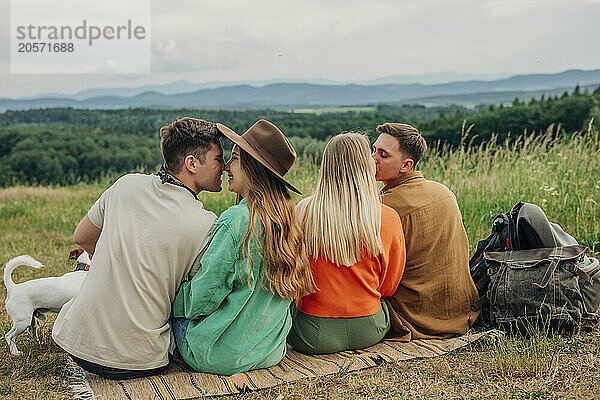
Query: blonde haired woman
{"type": "Point", "coordinates": [356, 250]}
{"type": "Point", "coordinates": [234, 315]}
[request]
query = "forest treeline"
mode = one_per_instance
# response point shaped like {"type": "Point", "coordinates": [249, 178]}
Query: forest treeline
{"type": "Point", "coordinates": [568, 113]}
{"type": "Point", "coordinates": [64, 146]}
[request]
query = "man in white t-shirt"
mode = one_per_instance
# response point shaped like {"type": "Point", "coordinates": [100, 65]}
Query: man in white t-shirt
{"type": "Point", "coordinates": [146, 234]}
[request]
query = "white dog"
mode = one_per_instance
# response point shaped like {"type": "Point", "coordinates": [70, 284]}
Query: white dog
{"type": "Point", "coordinates": [32, 299]}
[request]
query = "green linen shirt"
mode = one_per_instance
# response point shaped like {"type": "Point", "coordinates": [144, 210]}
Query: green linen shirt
{"type": "Point", "coordinates": [236, 324]}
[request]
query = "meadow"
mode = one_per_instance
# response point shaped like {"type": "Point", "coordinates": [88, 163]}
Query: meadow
{"type": "Point", "coordinates": [558, 172]}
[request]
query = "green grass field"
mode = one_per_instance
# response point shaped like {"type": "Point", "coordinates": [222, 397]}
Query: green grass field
{"type": "Point", "coordinates": [561, 175]}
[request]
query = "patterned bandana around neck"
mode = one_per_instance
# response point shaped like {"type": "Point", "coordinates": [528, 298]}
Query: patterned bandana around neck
{"type": "Point", "coordinates": [165, 177]}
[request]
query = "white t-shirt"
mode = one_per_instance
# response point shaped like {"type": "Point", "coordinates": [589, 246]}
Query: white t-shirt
{"type": "Point", "coordinates": [153, 235]}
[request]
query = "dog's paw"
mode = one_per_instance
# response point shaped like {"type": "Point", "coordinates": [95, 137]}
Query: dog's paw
{"type": "Point", "coordinates": [13, 349]}
{"type": "Point", "coordinates": [12, 346]}
{"type": "Point", "coordinates": [15, 353]}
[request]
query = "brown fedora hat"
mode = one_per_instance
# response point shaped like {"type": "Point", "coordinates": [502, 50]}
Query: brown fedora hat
{"type": "Point", "coordinates": [266, 144]}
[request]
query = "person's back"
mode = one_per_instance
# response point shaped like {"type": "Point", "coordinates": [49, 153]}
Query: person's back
{"type": "Point", "coordinates": [357, 290]}
{"type": "Point", "coordinates": [435, 294]}
{"type": "Point", "coordinates": [356, 250]}
{"type": "Point", "coordinates": [243, 324]}
{"type": "Point", "coordinates": [152, 234]}
{"type": "Point", "coordinates": [434, 297]}
{"type": "Point", "coordinates": [146, 233]}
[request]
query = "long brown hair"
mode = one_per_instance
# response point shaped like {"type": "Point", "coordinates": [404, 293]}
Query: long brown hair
{"type": "Point", "coordinates": [284, 253]}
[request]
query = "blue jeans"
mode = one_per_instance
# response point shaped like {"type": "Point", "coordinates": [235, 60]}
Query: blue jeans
{"type": "Point", "coordinates": [179, 326]}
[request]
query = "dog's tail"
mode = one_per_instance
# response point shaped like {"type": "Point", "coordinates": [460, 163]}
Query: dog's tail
{"type": "Point", "coordinates": [14, 263]}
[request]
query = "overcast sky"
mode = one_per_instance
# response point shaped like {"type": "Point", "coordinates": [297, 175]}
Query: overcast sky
{"type": "Point", "coordinates": [347, 40]}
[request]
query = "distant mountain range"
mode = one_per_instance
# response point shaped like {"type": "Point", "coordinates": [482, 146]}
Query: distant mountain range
{"type": "Point", "coordinates": [294, 94]}
{"type": "Point", "coordinates": [182, 86]}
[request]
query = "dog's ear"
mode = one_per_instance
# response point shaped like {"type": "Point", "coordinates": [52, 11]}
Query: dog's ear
{"type": "Point", "coordinates": [73, 254]}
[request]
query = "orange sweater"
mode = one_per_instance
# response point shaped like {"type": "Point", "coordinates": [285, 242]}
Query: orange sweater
{"type": "Point", "coordinates": [356, 291]}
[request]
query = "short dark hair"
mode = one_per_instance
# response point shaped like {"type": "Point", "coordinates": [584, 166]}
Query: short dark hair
{"type": "Point", "coordinates": [187, 136]}
{"type": "Point", "coordinates": [409, 139]}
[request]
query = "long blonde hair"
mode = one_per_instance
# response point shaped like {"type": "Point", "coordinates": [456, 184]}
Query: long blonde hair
{"type": "Point", "coordinates": [284, 253]}
{"type": "Point", "coordinates": [343, 216]}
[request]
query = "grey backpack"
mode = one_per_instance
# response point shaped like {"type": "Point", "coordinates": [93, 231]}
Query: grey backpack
{"type": "Point", "coordinates": [536, 287]}
{"type": "Point", "coordinates": [544, 275]}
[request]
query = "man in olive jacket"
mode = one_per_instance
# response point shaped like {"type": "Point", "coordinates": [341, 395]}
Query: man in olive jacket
{"type": "Point", "coordinates": [434, 297]}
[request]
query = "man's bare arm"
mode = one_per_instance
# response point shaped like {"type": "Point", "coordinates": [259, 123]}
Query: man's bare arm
{"type": "Point", "coordinates": [86, 235]}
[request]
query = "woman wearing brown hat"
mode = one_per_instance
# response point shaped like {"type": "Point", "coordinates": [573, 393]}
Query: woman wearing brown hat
{"type": "Point", "coordinates": [356, 250]}
{"type": "Point", "coordinates": [234, 315]}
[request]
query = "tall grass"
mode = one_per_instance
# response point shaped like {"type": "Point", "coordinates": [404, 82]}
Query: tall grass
{"type": "Point", "coordinates": [559, 173]}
